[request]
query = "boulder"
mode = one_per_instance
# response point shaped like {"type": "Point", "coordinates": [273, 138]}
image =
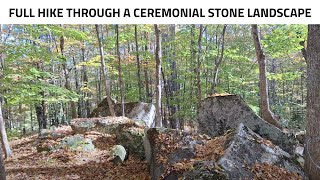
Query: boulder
{"type": "Point", "coordinates": [118, 153]}
{"type": "Point", "coordinates": [144, 112]}
{"type": "Point", "coordinates": [131, 137]}
{"type": "Point", "coordinates": [239, 153]}
{"type": "Point", "coordinates": [109, 124]}
{"type": "Point", "coordinates": [82, 125]}
{"type": "Point", "coordinates": [217, 114]}
{"type": "Point", "coordinates": [247, 150]}
{"type": "Point", "coordinates": [168, 151]}
{"type": "Point", "coordinates": [104, 124]}
{"type": "Point", "coordinates": [55, 133]}
{"type": "Point", "coordinates": [138, 111]}
{"type": "Point", "coordinates": [77, 143]}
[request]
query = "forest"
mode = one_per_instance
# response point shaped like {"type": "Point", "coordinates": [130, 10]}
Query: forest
{"type": "Point", "coordinates": [110, 87]}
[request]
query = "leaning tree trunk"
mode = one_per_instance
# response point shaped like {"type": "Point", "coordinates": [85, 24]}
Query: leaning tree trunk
{"type": "Point", "coordinates": [104, 71]}
{"type": "Point", "coordinates": [4, 139]}
{"type": "Point", "coordinates": [266, 113]}
{"type": "Point", "coordinates": [312, 149]}
{"type": "Point", "coordinates": [158, 78]}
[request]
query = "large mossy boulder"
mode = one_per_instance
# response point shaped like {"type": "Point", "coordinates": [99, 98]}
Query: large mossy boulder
{"type": "Point", "coordinates": [219, 113]}
{"type": "Point", "coordinates": [82, 125]}
{"type": "Point", "coordinates": [131, 137]}
{"type": "Point", "coordinates": [77, 143]}
{"type": "Point", "coordinates": [239, 153]}
{"type": "Point", "coordinates": [106, 125]}
{"type": "Point", "coordinates": [137, 111]}
{"type": "Point", "coordinates": [55, 132]}
{"type": "Point", "coordinates": [74, 143]}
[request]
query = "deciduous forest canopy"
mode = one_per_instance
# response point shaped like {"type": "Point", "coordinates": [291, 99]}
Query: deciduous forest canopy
{"type": "Point", "coordinates": [35, 71]}
{"type": "Point", "coordinates": [51, 74]}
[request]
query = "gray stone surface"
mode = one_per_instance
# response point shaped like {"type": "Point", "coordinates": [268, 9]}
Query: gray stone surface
{"type": "Point", "coordinates": [248, 148]}
{"type": "Point", "coordinates": [138, 111]}
{"type": "Point", "coordinates": [131, 137]}
{"type": "Point", "coordinates": [77, 143]}
{"type": "Point", "coordinates": [145, 112]}
{"type": "Point", "coordinates": [119, 154]}
{"type": "Point", "coordinates": [217, 114]}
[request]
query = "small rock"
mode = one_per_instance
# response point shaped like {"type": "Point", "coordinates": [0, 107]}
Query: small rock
{"type": "Point", "coordinates": [119, 154]}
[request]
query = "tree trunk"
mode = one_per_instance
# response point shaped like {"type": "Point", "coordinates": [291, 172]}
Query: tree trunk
{"type": "Point", "coordinates": [76, 77]}
{"type": "Point", "coordinates": [2, 169]}
{"type": "Point", "coordinates": [104, 71]}
{"type": "Point", "coordinates": [219, 59]}
{"type": "Point", "coordinates": [66, 76]}
{"type": "Point", "coordinates": [85, 82]}
{"type": "Point", "coordinates": [146, 74]}
{"type": "Point", "coordinates": [199, 66]}
{"type": "Point", "coordinates": [41, 117]}
{"type": "Point", "coordinates": [266, 113]}
{"type": "Point", "coordinates": [138, 63]}
{"type": "Point", "coordinates": [312, 150]}
{"type": "Point", "coordinates": [158, 78]}
{"type": "Point", "coordinates": [4, 139]}
{"type": "Point", "coordinates": [120, 71]}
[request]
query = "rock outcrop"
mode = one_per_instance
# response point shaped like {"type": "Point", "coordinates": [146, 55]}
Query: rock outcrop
{"type": "Point", "coordinates": [239, 153]}
{"type": "Point", "coordinates": [138, 111]}
{"type": "Point", "coordinates": [217, 114]}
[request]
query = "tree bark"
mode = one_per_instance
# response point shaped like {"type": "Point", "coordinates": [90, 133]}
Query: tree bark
{"type": "Point", "coordinates": [158, 78]}
{"type": "Point", "coordinates": [66, 76]}
{"type": "Point", "coordinates": [219, 59]}
{"type": "Point", "coordinates": [312, 149]}
{"type": "Point", "coordinates": [4, 139]}
{"type": "Point", "coordinates": [199, 66]}
{"type": "Point", "coordinates": [104, 72]}
{"type": "Point", "coordinates": [120, 71]}
{"type": "Point", "coordinates": [266, 113]}
{"type": "Point", "coordinates": [86, 81]}
{"type": "Point", "coordinates": [2, 169]}
{"type": "Point", "coordinates": [146, 74]}
{"type": "Point", "coordinates": [138, 62]}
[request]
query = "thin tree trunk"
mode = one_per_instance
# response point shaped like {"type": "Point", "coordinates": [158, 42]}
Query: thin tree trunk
{"type": "Point", "coordinates": [31, 118]}
{"type": "Point", "coordinates": [266, 113]}
{"type": "Point", "coordinates": [158, 78]}
{"type": "Point", "coordinates": [2, 169]}
{"type": "Point", "coordinates": [67, 83]}
{"type": "Point", "coordinates": [199, 66]}
{"type": "Point", "coordinates": [4, 139]}
{"type": "Point", "coordinates": [85, 82]}
{"type": "Point", "coordinates": [138, 62]}
{"type": "Point", "coordinates": [120, 71]}
{"type": "Point", "coordinates": [192, 60]}
{"type": "Point", "coordinates": [312, 149]}
{"type": "Point", "coordinates": [76, 77]}
{"type": "Point", "coordinates": [219, 59]}
{"type": "Point", "coordinates": [146, 74]}
{"type": "Point", "coordinates": [104, 71]}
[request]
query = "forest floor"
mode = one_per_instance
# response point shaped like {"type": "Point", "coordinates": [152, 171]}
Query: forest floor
{"type": "Point", "coordinates": [27, 163]}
